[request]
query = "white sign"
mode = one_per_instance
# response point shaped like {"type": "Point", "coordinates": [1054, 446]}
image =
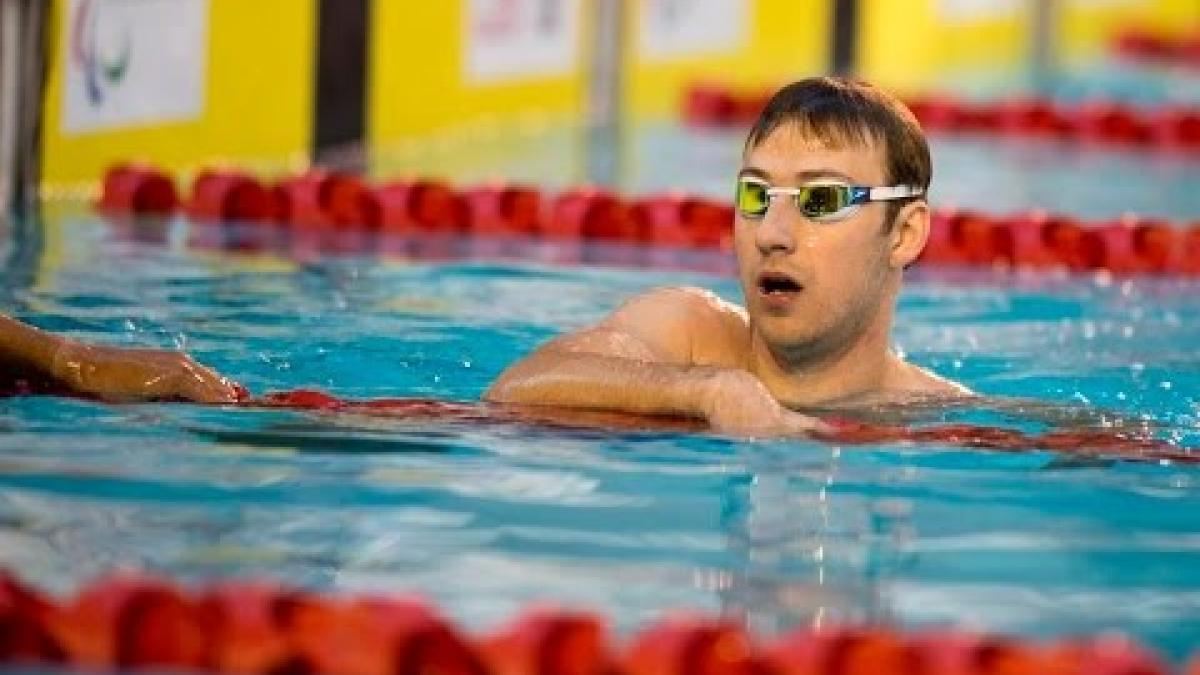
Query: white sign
{"type": "Point", "coordinates": [679, 28]}
{"type": "Point", "coordinates": [965, 11]}
{"type": "Point", "coordinates": [133, 62]}
{"type": "Point", "coordinates": [520, 39]}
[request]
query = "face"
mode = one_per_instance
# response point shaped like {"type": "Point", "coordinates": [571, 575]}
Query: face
{"type": "Point", "coordinates": [812, 287]}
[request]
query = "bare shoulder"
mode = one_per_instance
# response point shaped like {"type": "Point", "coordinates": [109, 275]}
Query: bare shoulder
{"type": "Point", "coordinates": [693, 324]}
{"type": "Point", "coordinates": [926, 383]}
{"type": "Point", "coordinates": [683, 303]}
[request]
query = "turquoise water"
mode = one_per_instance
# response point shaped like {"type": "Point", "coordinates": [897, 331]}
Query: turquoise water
{"type": "Point", "coordinates": [485, 520]}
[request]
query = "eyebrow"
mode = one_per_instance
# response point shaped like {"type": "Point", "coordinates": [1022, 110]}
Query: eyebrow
{"type": "Point", "coordinates": [811, 174]}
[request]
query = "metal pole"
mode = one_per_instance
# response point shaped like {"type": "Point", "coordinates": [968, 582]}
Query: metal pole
{"type": "Point", "coordinates": [1043, 54]}
{"type": "Point", "coordinates": [844, 38]}
{"type": "Point", "coordinates": [23, 43]}
{"type": "Point", "coordinates": [10, 34]}
{"type": "Point", "coordinates": [603, 105]}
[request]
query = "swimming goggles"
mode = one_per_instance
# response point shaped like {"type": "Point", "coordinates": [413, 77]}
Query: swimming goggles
{"type": "Point", "coordinates": [821, 201]}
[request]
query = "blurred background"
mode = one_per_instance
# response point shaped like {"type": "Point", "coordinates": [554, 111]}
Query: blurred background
{"type": "Point", "coordinates": [553, 91]}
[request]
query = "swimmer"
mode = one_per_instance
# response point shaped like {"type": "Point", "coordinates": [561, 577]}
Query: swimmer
{"type": "Point", "coordinates": [831, 209]}
{"type": "Point", "coordinates": [36, 361]}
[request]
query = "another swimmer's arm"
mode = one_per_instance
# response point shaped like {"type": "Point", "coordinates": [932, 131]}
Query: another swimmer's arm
{"type": "Point", "coordinates": [638, 360]}
{"type": "Point", "coordinates": [48, 362]}
{"type": "Point", "coordinates": [25, 352]}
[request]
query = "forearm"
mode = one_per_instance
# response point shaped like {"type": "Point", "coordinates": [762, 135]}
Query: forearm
{"type": "Point", "coordinates": [25, 350]}
{"type": "Point", "coordinates": [607, 383]}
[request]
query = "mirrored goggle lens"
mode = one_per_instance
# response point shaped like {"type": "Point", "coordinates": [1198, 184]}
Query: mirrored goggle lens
{"type": "Point", "coordinates": [814, 201]}
{"type": "Point", "coordinates": [752, 199]}
{"type": "Point", "coordinates": [823, 201]}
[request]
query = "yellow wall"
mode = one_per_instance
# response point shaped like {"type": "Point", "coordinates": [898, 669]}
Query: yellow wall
{"type": "Point", "coordinates": [417, 87]}
{"type": "Point", "coordinates": [1086, 27]}
{"type": "Point", "coordinates": [785, 40]}
{"type": "Point", "coordinates": [258, 103]}
{"type": "Point", "coordinates": [423, 111]}
{"type": "Point", "coordinates": [909, 45]}
{"type": "Point", "coordinates": [912, 45]}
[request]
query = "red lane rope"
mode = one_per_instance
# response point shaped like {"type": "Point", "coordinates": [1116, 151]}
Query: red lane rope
{"type": "Point", "coordinates": [1087, 442]}
{"type": "Point", "coordinates": [1171, 128]}
{"type": "Point", "coordinates": [135, 622]}
{"type": "Point", "coordinates": [1083, 442]}
{"type": "Point", "coordinates": [1145, 45]}
{"type": "Point", "coordinates": [323, 202]}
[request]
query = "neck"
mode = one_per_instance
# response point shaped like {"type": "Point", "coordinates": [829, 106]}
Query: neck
{"type": "Point", "coordinates": [857, 367]}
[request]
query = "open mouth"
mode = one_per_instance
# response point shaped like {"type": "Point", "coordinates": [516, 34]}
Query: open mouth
{"type": "Point", "coordinates": [775, 284]}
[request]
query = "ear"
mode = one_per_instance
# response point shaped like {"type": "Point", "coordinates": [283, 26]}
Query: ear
{"type": "Point", "coordinates": [909, 233]}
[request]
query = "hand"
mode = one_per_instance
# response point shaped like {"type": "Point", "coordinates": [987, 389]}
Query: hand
{"type": "Point", "coordinates": [116, 374]}
{"type": "Point", "coordinates": [739, 404]}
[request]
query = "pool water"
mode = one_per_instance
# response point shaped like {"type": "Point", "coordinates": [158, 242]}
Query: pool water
{"type": "Point", "coordinates": [487, 519]}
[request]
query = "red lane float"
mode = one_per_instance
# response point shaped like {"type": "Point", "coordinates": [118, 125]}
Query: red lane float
{"type": "Point", "coordinates": [377, 636]}
{"type": "Point", "coordinates": [351, 203]}
{"type": "Point", "coordinates": [1036, 240]}
{"type": "Point", "coordinates": [544, 641]}
{"type": "Point", "coordinates": [138, 188]}
{"type": "Point", "coordinates": [690, 645]}
{"type": "Point", "coordinates": [1170, 127]}
{"type": "Point", "coordinates": [849, 651]}
{"type": "Point", "coordinates": [248, 630]}
{"type": "Point", "coordinates": [1144, 45]}
{"type": "Point", "coordinates": [421, 205]}
{"type": "Point", "coordinates": [500, 209]}
{"type": "Point", "coordinates": [24, 625]}
{"type": "Point", "coordinates": [590, 213]}
{"type": "Point", "coordinates": [130, 622]}
{"type": "Point", "coordinates": [679, 220]}
{"type": "Point", "coordinates": [301, 201]}
{"type": "Point", "coordinates": [710, 106]}
{"type": "Point", "coordinates": [229, 196]}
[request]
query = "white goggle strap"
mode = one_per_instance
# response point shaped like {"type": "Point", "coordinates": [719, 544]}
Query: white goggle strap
{"type": "Point", "coordinates": [885, 194]}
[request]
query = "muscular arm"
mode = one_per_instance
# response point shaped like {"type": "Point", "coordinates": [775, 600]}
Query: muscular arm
{"type": "Point", "coordinates": [604, 368]}
{"type": "Point", "coordinates": [35, 360]}
{"type": "Point", "coordinates": [643, 359]}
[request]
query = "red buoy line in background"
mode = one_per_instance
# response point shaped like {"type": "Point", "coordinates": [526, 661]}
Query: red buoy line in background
{"type": "Point", "coordinates": [1107, 123]}
{"type": "Point", "coordinates": [140, 622]}
{"type": "Point", "coordinates": [326, 201]}
{"type": "Point", "coordinates": [1146, 45]}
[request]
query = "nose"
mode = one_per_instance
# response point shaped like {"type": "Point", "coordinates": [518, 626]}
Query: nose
{"type": "Point", "coordinates": [776, 232]}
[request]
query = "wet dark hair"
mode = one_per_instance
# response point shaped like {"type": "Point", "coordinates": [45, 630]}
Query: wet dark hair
{"type": "Point", "coordinates": [839, 112]}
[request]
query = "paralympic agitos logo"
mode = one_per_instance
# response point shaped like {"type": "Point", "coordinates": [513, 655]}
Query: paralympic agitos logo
{"type": "Point", "coordinates": [102, 58]}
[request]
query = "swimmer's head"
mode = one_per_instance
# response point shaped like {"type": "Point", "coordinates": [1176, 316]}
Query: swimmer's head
{"type": "Point", "coordinates": [820, 273]}
{"type": "Point", "coordinates": [841, 112]}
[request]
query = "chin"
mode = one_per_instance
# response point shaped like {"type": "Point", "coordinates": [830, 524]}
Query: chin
{"type": "Point", "coordinates": [786, 333]}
